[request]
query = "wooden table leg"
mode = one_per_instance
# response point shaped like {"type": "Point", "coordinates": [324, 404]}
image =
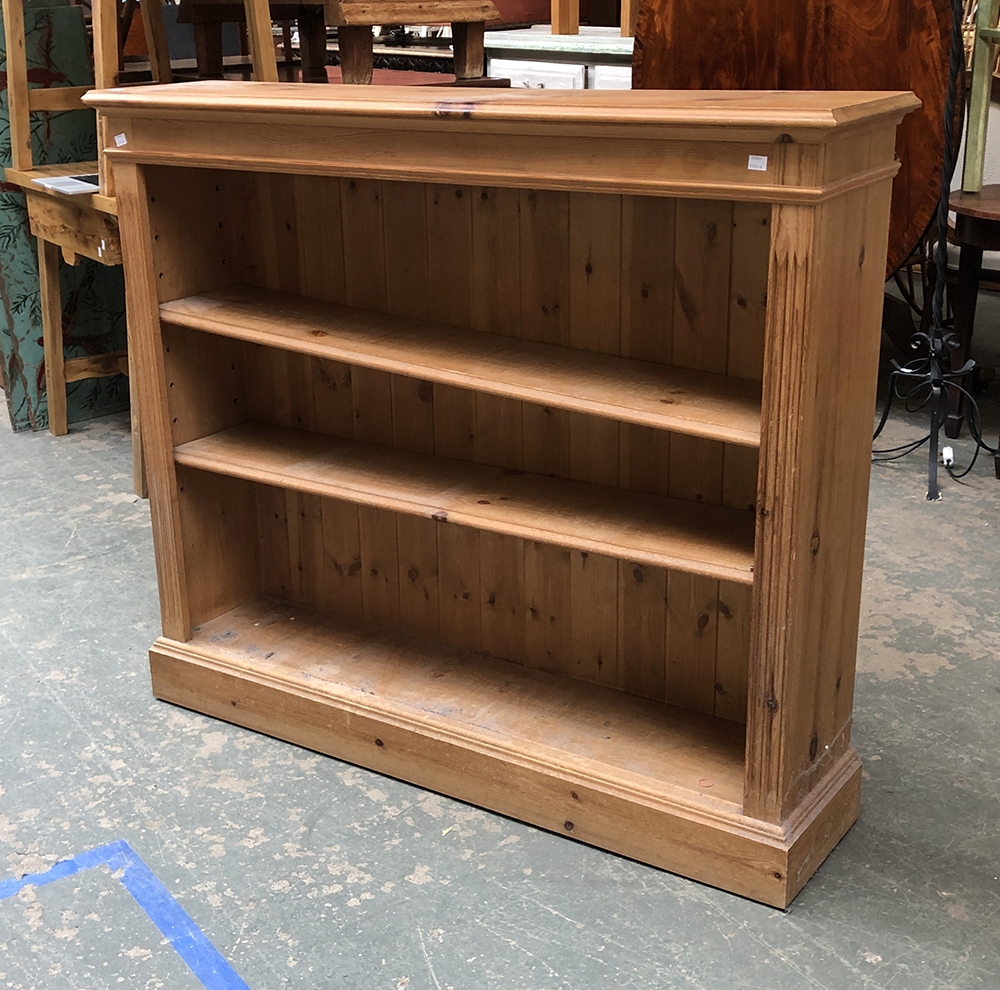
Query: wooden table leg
{"type": "Point", "coordinates": [356, 57]}
{"type": "Point", "coordinates": [470, 55]}
{"type": "Point", "coordinates": [312, 45]}
{"type": "Point", "coordinates": [208, 49]}
{"type": "Point", "coordinates": [51, 300]}
{"type": "Point", "coordinates": [970, 265]}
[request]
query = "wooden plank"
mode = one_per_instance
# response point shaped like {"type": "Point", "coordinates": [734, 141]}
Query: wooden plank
{"type": "Point", "coordinates": [593, 450]}
{"type": "Point", "coordinates": [95, 366]}
{"type": "Point", "coordinates": [418, 576]}
{"type": "Point", "coordinates": [261, 40]}
{"type": "Point", "coordinates": [142, 310]}
{"type": "Point", "coordinates": [274, 539]}
{"type": "Point", "coordinates": [642, 601]}
{"type": "Point", "coordinates": [739, 477]}
{"type": "Point", "coordinates": [696, 469]}
{"type": "Point", "coordinates": [733, 650]}
{"type": "Point", "coordinates": [355, 44]}
{"type": "Point", "coordinates": [594, 618]}
{"type": "Point", "coordinates": [57, 98]}
{"type": "Point", "coordinates": [496, 253]}
{"type": "Point", "coordinates": [454, 422]}
{"type": "Point", "coordinates": [405, 233]}
{"type": "Point", "coordinates": [747, 316]}
{"type": "Point", "coordinates": [469, 55]}
{"type": "Point", "coordinates": [156, 41]}
{"type": "Point", "coordinates": [544, 252]}
{"type": "Point", "coordinates": [647, 287]}
{"type": "Point", "coordinates": [320, 238]}
{"type": "Point", "coordinates": [217, 514]}
{"type": "Point", "coordinates": [50, 297]}
{"type": "Point", "coordinates": [26, 180]}
{"type": "Point", "coordinates": [644, 459]}
{"type": "Point", "coordinates": [692, 627]}
{"type": "Point", "coordinates": [342, 585]}
{"type": "Point", "coordinates": [548, 610]}
{"type": "Point", "coordinates": [371, 394]}
{"type": "Point", "coordinates": [17, 86]}
{"type": "Point", "coordinates": [449, 260]}
{"type": "Point", "coordinates": [701, 314]}
{"type": "Point", "coordinates": [206, 379]}
{"type": "Point", "coordinates": [703, 237]}
{"type": "Point", "coordinates": [498, 435]}
{"type": "Point", "coordinates": [364, 250]}
{"type": "Point", "coordinates": [595, 263]}
{"type": "Point", "coordinates": [412, 414]}
{"type": "Point", "coordinates": [820, 368]}
{"type": "Point", "coordinates": [379, 566]}
{"type": "Point", "coordinates": [594, 322]}
{"type": "Point", "coordinates": [305, 521]}
{"type": "Point", "coordinates": [700, 404]}
{"type": "Point", "coordinates": [83, 231]}
{"type": "Point", "coordinates": [460, 590]}
{"type": "Point", "coordinates": [370, 12]}
{"type": "Point", "coordinates": [501, 589]}
{"type": "Point", "coordinates": [629, 17]}
{"type": "Point", "coordinates": [565, 15]}
{"type": "Point", "coordinates": [650, 529]}
{"type": "Point", "coordinates": [748, 290]}
{"type": "Point", "coordinates": [332, 400]}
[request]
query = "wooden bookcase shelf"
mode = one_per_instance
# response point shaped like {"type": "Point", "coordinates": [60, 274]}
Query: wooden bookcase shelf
{"type": "Point", "coordinates": [696, 403]}
{"type": "Point", "coordinates": [650, 529]}
{"type": "Point", "coordinates": [517, 445]}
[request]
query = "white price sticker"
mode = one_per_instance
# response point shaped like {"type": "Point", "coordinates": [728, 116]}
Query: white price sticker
{"type": "Point", "coordinates": [120, 139]}
{"type": "Point", "coordinates": [757, 163]}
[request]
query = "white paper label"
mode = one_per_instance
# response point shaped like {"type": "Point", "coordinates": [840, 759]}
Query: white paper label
{"type": "Point", "coordinates": [757, 163]}
{"type": "Point", "coordinates": [120, 139]}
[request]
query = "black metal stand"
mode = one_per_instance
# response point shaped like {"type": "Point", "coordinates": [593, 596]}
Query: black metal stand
{"type": "Point", "coordinates": [929, 372]}
{"type": "Point", "coordinates": [925, 372]}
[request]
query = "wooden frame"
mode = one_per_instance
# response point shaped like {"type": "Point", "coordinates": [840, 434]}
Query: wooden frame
{"type": "Point", "coordinates": [518, 445]}
{"type": "Point", "coordinates": [565, 17]}
{"type": "Point", "coordinates": [82, 225]}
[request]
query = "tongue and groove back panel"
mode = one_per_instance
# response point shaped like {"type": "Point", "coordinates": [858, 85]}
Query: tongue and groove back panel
{"type": "Point", "coordinates": [620, 275]}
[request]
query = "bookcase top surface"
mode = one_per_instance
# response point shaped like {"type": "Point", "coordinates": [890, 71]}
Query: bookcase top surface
{"type": "Point", "coordinates": [806, 115]}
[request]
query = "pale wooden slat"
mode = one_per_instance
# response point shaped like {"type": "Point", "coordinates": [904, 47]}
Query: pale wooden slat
{"type": "Point", "coordinates": [664, 532]}
{"type": "Point", "coordinates": [17, 86]}
{"type": "Point", "coordinates": [501, 584]}
{"type": "Point", "coordinates": [642, 593]}
{"type": "Point", "coordinates": [51, 302]}
{"type": "Point", "coordinates": [708, 405]}
{"type": "Point", "coordinates": [94, 366]}
{"type": "Point", "coordinates": [57, 98]}
{"type": "Point", "coordinates": [368, 12]}
{"type": "Point", "coordinates": [547, 618]}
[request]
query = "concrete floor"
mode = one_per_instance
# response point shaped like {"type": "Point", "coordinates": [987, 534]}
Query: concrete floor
{"type": "Point", "coordinates": [309, 873]}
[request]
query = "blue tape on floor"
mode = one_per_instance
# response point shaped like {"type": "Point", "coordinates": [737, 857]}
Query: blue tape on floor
{"type": "Point", "coordinates": [174, 923]}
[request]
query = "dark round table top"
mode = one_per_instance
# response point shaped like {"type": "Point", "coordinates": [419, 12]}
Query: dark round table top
{"type": "Point", "coordinates": [985, 204]}
{"type": "Point", "coordinates": [816, 44]}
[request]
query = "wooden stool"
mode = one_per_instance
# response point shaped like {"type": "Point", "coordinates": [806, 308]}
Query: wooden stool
{"type": "Point", "coordinates": [977, 229]}
{"type": "Point", "coordinates": [208, 16]}
{"type": "Point", "coordinates": [354, 20]}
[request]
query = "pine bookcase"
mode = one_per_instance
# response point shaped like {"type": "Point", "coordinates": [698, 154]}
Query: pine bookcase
{"type": "Point", "coordinates": [517, 444]}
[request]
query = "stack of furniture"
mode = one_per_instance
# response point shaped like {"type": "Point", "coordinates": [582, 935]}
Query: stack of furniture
{"type": "Point", "coordinates": [517, 444]}
{"type": "Point", "coordinates": [68, 226]}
